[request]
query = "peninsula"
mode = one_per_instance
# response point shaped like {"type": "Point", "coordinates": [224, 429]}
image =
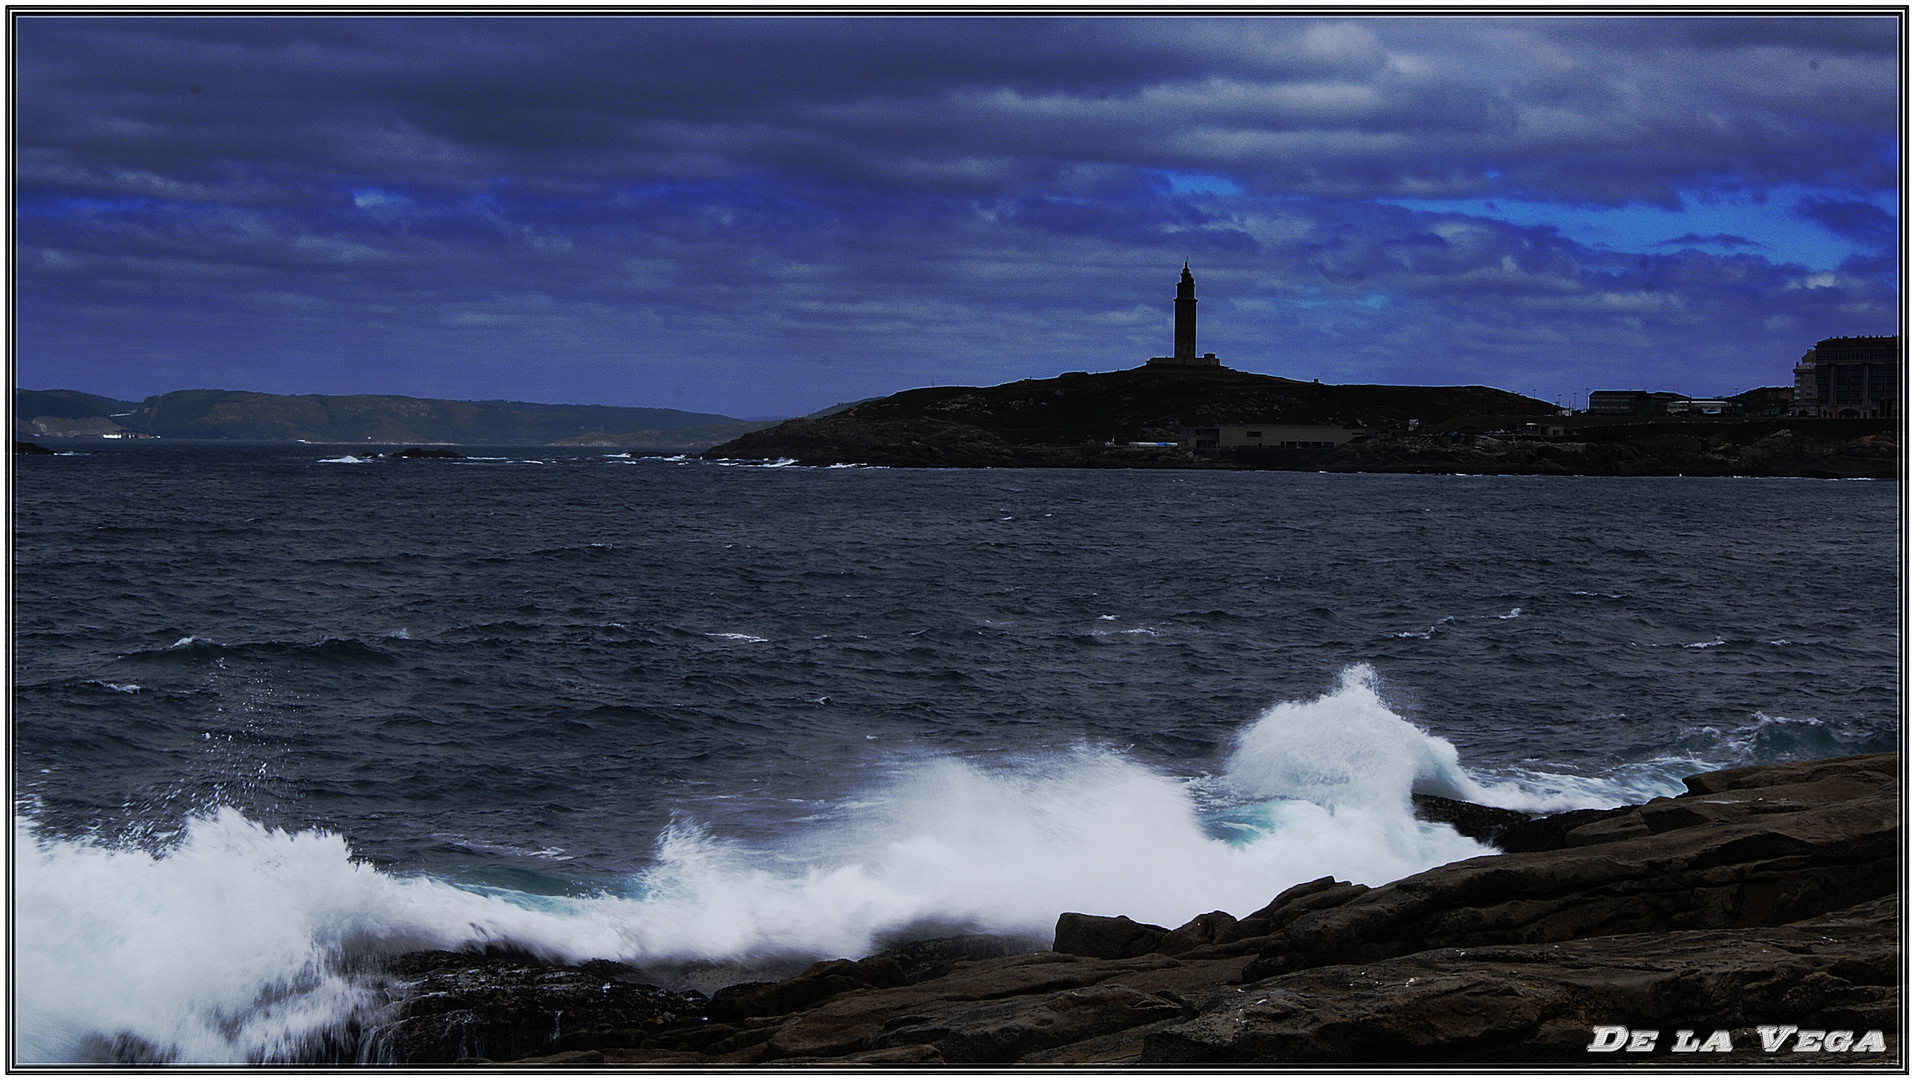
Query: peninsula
{"type": "Point", "coordinates": [1157, 416]}
{"type": "Point", "coordinates": [1187, 410]}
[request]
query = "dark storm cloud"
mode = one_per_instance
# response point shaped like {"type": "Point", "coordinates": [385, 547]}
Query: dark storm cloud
{"type": "Point", "coordinates": [1724, 240]}
{"type": "Point", "coordinates": [557, 207]}
{"type": "Point", "coordinates": [1862, 222]}
{"type": "Point", "coordinates": [1391, 107]}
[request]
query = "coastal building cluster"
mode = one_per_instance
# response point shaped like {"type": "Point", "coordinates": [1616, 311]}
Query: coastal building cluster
{"type": "Point", "coordinates": [1844, 378]}
{"type": "Point", "coordinates": [1841, 378]}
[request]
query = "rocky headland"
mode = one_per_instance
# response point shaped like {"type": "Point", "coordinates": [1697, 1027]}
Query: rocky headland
{"type": "Point", "coordinates": [1118, 419]}
{"type": "Point", "coordinates": [1754, 918]}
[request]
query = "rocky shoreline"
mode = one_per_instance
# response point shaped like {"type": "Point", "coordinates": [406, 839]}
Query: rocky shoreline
{"type": "Point", "coordinates": [1757, 449]}
{"type": "Point", "coordinates": [1755, 917]}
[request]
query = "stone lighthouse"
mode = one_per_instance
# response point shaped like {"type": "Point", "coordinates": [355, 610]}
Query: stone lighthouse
{"type": "Point", "coordinates": [1184, 354]}
{"type": "Point", "coordinates": [1185, 316]}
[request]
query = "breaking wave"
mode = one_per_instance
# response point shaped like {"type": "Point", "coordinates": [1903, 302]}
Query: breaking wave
{"type": "Point", "coordinates": [240, 942]}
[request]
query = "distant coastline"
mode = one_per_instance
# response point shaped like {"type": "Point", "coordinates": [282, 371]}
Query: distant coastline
{"type": "Point", "coordinates": [365, 420]}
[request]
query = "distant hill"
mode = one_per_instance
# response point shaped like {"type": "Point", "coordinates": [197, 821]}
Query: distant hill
{"type": "Point", "coordinates": [66, 404]}
{"type": "Point", "coordinates": [1031, 421]}
{"type": "Point", "coordinates": [69, 413]}
{"type": "Point", "coordinates": [367, 418]}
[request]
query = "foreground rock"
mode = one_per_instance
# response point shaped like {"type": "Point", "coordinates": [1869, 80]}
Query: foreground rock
{"type": "Point", "coordinates": [460, 1006]}
{"type": "Point", "coordinates": [1540, 1003]}
{"type": "Point", "coordinates": [1760, 898]}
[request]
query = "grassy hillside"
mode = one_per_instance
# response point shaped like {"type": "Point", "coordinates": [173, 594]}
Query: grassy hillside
{"type": "Point", "coordinates": [65, 405]}
{"type": "Point", "coordinates": [1007, 424]}
{"type": "Point", "coordinates": [1150, 403]}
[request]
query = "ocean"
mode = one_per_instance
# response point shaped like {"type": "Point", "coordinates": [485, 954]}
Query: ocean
{"type": "Point", "coordinates": [280, 710]}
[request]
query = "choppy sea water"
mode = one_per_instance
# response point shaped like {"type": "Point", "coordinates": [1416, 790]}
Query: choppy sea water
{"type": "Point", "coordinates": [279, 709]}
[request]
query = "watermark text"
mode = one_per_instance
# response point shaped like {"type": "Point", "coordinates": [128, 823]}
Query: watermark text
{"type": "Point", "coordinates": [1775, 1038]}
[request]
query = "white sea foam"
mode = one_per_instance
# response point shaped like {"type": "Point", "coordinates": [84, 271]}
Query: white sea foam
{"type": "Point", "coordinates": [227, 946]}
{"type": "Point", "coordinates": [1349, 749]}
{"type": "Point", "coordinates": [344, 459]}
{"type": "Point", "coordinates": [232, 944]}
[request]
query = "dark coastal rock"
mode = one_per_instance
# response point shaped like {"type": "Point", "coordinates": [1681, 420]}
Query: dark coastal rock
{"type": "Point", "coordinates": [1007, 1030]}
{"type": "Point", "coordinates": [1760, 896]}
{"type": "Point", "coordinates": [1106, 937]}
{"type": "Point", "coordinates": [1551, 832]}
{"type": "Point", "coordinates": [1830, 779]}
{"type": "Point", "coordinates": [1513, 830]}
{"type": "Point", "coordinates": [1538, 1003]}
{"type": "Point", "coordinates": [933, 958]}
{"type": "Point", "coordinates": [985, 1008]}
{"type": "Point", "coordinates": [1484, 823]}
{"type": "Point", "coordinates": [1805, 843]}
{"type": "Point", "coordinates": [456, 1006]}
{"type": "Point", "coordinates": [21, 446]}
{"type": "Point", "coordinates": [428, 452]}
{"type": "Point", "coordinates": [821, 980]}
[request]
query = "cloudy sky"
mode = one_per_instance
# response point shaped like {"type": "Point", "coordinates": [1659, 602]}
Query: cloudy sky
{"type": "Point", "coordinates": [764, 216]}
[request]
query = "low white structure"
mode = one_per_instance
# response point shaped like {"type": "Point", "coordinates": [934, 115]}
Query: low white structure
{"type": "Point", "coordinates": [1268, 436]}
{"type": "Point", "coordinates": [1698, 407]}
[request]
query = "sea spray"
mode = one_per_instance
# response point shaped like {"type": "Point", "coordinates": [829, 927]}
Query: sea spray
{"type": "Point", "coordinates": [1349, 749]}
{"type": "Point", "coordinates": [1344, 749]}
{"type": "Point", "coordinates": [240, 942]}
{"type": "Point", "coordinates": [233, 944]}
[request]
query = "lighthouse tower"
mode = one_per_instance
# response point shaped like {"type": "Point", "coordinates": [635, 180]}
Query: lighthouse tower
{"type": "Point", "coordinates": [1184, 353]}
{"type": "Point", "coordinates": [1186, 316]}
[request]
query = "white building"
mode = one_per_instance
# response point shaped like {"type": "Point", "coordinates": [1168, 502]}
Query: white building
{"type": "Point", "coordinates": [1267, 436]}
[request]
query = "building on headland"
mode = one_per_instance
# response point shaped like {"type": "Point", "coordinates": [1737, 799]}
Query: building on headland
{"type": "Point", "coordinates": [1704, 407]}
{"type": "Point", "coordinates": [1267, 436]}
{"type": "Point", "coordinates": [1183, 353]}
{"type": "Point", "coordinates": [1849, 378]}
